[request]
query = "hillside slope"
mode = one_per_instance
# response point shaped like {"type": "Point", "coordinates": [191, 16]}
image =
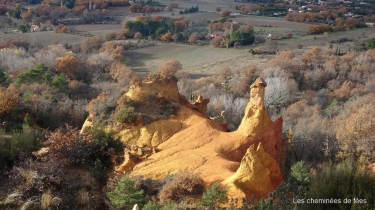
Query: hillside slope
{"type": "Point", "coordinates": [190, 141]}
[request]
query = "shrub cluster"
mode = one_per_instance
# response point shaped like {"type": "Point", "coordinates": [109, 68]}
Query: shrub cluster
{"type": "Point", "coordinates": [294, 188]}
{"type": "Point", "coordinates": [180, 186]}
{"type": "Point", "coordinates": [170, 191]}
{"type": "Point", "coordinates": [319, 29]}
{"type": "Point", "coordinates": [95, 149]}
{"type": "Point", "coordinates": [214, 197]}
{"type": "Point", "coordinates": [190, 10]}
{"type": "Point", "coordinates": [124, 195]}
{"type": "Point", "coordinates": [25, 142]}
{"type": "Point", "coordinates": [350, 179]}
{"type": "Point", "coordinates": [126, 115]}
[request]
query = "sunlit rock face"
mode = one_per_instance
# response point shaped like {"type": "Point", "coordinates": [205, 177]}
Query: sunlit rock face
{"type": "Point", "coordinates": [258, 174]}
{"type": "Point", "coordinates": [247, 160]}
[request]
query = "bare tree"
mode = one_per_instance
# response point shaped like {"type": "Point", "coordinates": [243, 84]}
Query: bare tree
{"type": "Point", "coordinates": [277, 92]}
{"type": "Point", "coordinates": [234, 108]}
{"type": "Point", "coordinates": [186, 87]}
{"type": "Point", "coordinates": [100, 61]}
{"type": "Point", "coordinates": [138, 36]}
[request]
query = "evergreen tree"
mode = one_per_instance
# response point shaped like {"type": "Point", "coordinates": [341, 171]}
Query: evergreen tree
{"type": "Point", "coordinates": [370, 44]}
{"type": "Point", "coordinates": [151, 206]}
{"type": "Point", "coordinates": [61, 83]}
{"type": "Point", "coordinates": [242, 37]}
{"type": "Point", "coordinates": [27, 121]}
{"type": "Point", "coordinates": [125, 195]}
{"type": "Point", "coordinates": [299, 174]}
{"type": "Point", "coordinates": [3, 77]}
{"type": "Point", "coordinates": [213, 197]}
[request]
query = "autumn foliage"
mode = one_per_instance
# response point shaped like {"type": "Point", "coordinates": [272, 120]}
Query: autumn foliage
{"type": "Point", "coordinates": [9, 100]}
{"type": "Point", "coordinates": [217, 42]}
{"type": "Point", "coordinates": [226, 13]}
{"type": "Point", "coordinates": [166, 37]}
{"type": "Point", "coordinates": [193, 38]}
{"type": "Point", "coordinates": [91, 44]}
{"type": "Point", "coordinates": [61, 28]}
{"type": "Point", "coordinates": [319, 29]}
{"type": "Point", "coordinates": [95, 149]}
{"type": "Point", "coordinates": [168, 69]}
{"type": "Point", "coordinates": [137, 8]}
{"type": "Point", "coordinates": [68, 65]}
{"type": "Point", "coordinates": [182, 184]}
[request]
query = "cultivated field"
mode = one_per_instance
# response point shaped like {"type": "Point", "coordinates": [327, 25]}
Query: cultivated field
{"type": "Point", "coordinates": [198, 61]}
{"type": "Point", "coordinates": [97, 27]}
{"type": "Point", "coordinates": [309, 41]}
{"type": "Point", "coordinates": [45, 37]}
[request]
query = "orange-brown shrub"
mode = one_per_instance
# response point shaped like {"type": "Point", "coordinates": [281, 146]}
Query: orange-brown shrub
{"type": "Point", "coordinates": [9, 99]}
{"type": "Point", "coordinates": [91, 44]}
{"type": "Point", "coordinates": [226, 13]}
{"type": "Point", "coordinates": [67, 65]}
{"type": "Point", "coordinates": [168, 69]}
{"type": "Point", "coordinates": [110, 36]}
{"type": "Point", "coordinates": [217, 41]}
{"type": "Point", "coordinates": [181, 185]}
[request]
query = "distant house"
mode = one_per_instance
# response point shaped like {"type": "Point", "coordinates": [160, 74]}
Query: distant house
{"type": "Point", "coordinates": [211, 36]}
{"type": "Point", "coordinates": [34, 28]}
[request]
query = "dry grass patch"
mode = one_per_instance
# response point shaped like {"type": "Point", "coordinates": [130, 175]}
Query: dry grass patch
{"type": "Point", "coordinates": [46, 200]}
{"type": "Point", "coordinates": [83, 198]}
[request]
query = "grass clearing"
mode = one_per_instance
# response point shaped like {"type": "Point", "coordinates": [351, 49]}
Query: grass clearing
{"type": "Point", "coordinates": [98, 29]}
{"type": "Point", "coordinates": [308, 41]}
{"type": "Point", "coordinates": [195, 60]}
{"type": "Point", "coordinates": [272, 30]}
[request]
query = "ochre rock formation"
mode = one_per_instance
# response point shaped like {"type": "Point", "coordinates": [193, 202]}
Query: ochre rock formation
{"type": "Point", "coordinates": [258, 174]}
{"type": "Point", "coordinates": [201, 104]}
{"type": "Point", "coordinates": [191, 141]}
{"type": "Point", "coordinates": [221, 120]}
{"type": "Point", "coordinates": [256, 117]}
{"type": "Point", "coordinates": [167, 88]}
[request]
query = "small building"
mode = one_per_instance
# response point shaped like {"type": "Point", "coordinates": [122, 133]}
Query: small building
{"type": "Point", "coordinates": [212, 36]}
{"type": "Point", "coordinates": [34, 28]}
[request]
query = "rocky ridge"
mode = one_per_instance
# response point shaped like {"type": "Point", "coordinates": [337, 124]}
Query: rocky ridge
{"type": "Point", "coordinates": [189, 140]}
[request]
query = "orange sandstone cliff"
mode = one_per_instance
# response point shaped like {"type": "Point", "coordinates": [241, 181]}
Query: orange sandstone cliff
{"type": "Point", "coordinates": [247, 161]}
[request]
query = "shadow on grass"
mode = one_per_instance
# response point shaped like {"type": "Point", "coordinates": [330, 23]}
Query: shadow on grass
{"type": "Point", "coordinates": [136, 61]}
